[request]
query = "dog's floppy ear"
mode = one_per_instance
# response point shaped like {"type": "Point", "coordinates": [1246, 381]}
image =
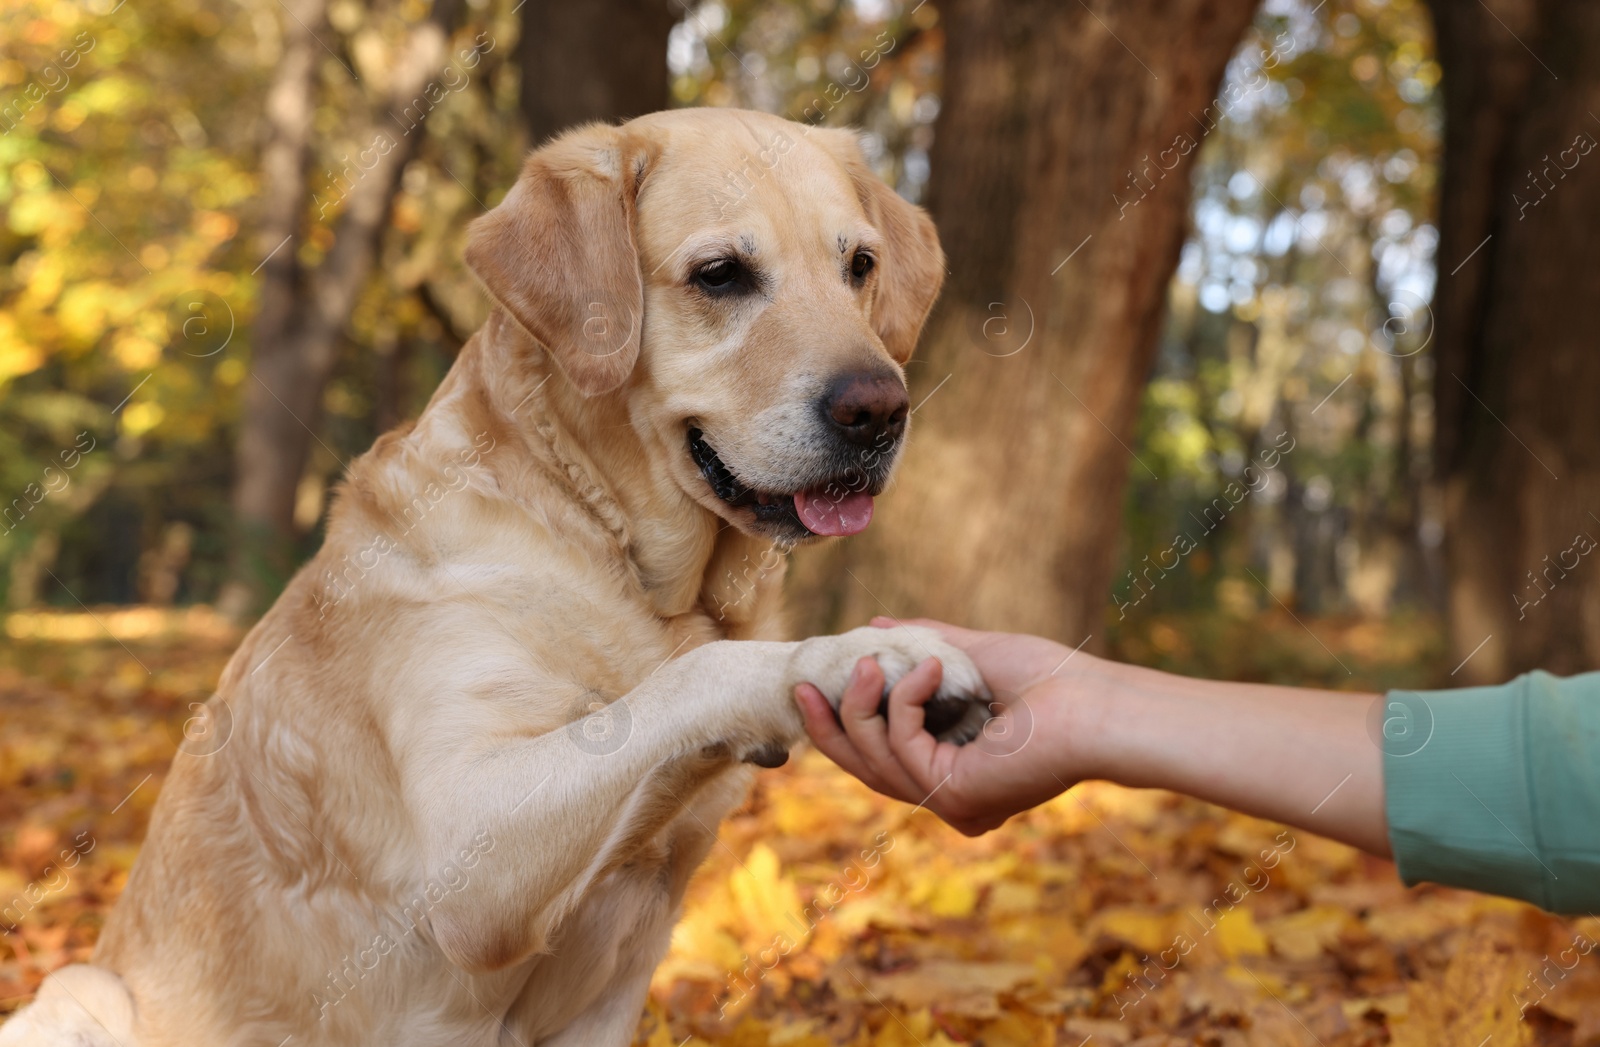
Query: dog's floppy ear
{"type": "Point", "coordinates": [912, 267]}
{"type": "Point", "coordinates": [558, 253]}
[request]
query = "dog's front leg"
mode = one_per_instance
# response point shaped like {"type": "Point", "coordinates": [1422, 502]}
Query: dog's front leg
{"type": "Point", "coordinates": [518, 830]}
{"type": "Point", "coordinates": [525, 827]}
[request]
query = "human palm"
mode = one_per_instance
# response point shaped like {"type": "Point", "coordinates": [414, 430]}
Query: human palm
{"type": "Point", "coordinates": [1023, 757]}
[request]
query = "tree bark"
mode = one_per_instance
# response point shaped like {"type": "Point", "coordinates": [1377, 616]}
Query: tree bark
{"type": "Point", "coordinates": [264, 475]}
{"type": "Point", "coordinates": [301, 321]}
{"type": "Point", "coordinates": [599, 60]}
{"type": "Point", "coordinates": [1061, 184]}
{"type": "Point", "coordinates": [1518, 377]}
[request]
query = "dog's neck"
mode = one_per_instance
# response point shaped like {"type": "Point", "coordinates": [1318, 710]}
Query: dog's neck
{"type": "Point", "coordinates": [683, 556]}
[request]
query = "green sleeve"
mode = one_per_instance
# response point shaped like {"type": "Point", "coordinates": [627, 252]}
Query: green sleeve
{"type": "Point", "coordinates": [1498, 788]}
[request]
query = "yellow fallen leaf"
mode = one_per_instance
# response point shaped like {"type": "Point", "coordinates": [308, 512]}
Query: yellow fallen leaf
{"type": "Point", "coordinates": [1305, 934]}
{"type": "Point", "coordinates": [968, 989]}
{"type": "Point", "coordinates": [800, 1034]}
{"type": "Point", "coordinates": [768, 902]}
{"type": "Point", "coordinates": [1474, 1003]}
{"type": "Point", "coordinates": [1236, 934]}
{"type": "Point", "coordinates": [954, 898]}
{"type": "Point", "coordinates": [1010, 898]}
{"type": "Point", "coordinates": [1148, 930]}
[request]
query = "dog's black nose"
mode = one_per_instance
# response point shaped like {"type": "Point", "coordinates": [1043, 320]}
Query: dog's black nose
{"type": "Point", "coordinates": [867, 408]}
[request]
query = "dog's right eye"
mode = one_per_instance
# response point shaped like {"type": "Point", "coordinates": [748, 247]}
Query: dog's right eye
{"type": "Point", "coordinates": [721, 277]}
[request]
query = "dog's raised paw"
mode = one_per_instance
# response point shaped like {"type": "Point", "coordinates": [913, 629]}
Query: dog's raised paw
{"type": "Point", "coordinates": [959, 709]}
{"type": "Point", "coordinates": [956, 712]}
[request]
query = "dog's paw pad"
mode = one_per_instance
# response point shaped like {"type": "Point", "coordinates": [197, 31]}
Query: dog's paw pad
{"type": "Point", "coordinates": [945, 714]}
{"type": "Point", "coordinates": [971, 716]}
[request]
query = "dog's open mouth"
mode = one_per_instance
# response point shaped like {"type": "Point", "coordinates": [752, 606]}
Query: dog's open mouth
{"type": "Point", "coordinates": [838, 507]}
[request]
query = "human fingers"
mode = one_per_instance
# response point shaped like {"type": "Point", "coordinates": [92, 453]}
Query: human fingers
{"type": "Point", "coordinates": [859, 714]}
{"type": "Point", "coordinates": [828, 735]}
{"type": "Point", "coordinates": [913, 750]}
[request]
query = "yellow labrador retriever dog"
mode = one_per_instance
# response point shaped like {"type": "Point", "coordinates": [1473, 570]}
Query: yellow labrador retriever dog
{"type": "Point", "coordinates": [463, 769]}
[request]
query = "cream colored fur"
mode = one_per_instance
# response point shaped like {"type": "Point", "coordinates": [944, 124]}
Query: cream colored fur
{"type": "Point", "coordinates": [471, 757]}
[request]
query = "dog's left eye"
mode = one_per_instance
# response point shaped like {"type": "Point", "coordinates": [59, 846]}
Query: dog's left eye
{"type": "Point", "coordinates": [860, 266]}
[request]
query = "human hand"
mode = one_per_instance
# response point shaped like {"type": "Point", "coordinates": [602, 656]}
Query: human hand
{"type": "Point", "coordinates": [1063, 716]}
{"type": "Point", "coordinates": [1024, 756]}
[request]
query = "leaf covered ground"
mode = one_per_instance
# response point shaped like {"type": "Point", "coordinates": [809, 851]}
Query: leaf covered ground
{"type": "Point", "coordinates": [830, 916]}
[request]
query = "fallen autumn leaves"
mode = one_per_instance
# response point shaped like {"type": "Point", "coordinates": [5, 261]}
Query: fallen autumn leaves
{"type": "Point", "coordinates": [1107, 918]}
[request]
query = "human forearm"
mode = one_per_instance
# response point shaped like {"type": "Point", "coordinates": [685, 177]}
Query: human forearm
{"type": "Point", "coordinates": [1297, 756]}
{"type": "Point", "coordinates": [1302, 757]}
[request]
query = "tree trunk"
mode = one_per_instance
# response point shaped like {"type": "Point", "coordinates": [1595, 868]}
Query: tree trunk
{"type": "Point", "coordinates": [1518, 378]}
{"type": "Point", "coordinates": [1061, 184]}
{"type": "Point", "coordinates": [265, 476]}
{"type": "Point", "coordinates": [298, 329]}
{"type": "Point", "coordinates": [599, 60]}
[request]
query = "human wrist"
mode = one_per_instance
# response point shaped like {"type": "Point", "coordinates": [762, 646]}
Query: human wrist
{"type": "Point", "coordinates": [1087, 693]}
{"type": "Point", "coordinates": [1127, 722]}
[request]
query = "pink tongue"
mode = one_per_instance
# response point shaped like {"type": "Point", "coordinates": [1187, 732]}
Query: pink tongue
{"type": "Point", "coordinates": [847, 513]}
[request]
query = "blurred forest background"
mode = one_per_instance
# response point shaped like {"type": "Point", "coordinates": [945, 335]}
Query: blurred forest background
{"type": "Point", "coordinates": [1266, 350]}
{"type": "Point", "coordinates": [232, 240]}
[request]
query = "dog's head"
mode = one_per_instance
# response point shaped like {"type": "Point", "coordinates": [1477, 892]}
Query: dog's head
{"type": "Point", "coordinates": [747, 283]}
